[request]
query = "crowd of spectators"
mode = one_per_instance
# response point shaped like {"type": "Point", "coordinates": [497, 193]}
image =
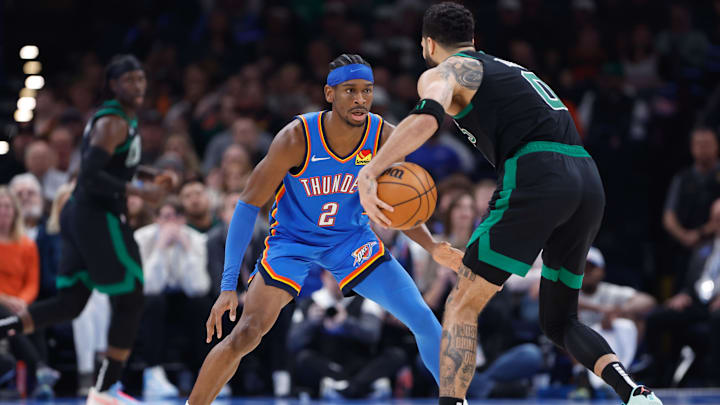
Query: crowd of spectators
{"type": "Point", "coordinates": [640, 78]}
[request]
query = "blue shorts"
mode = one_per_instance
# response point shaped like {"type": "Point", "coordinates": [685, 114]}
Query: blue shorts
{"type": "Point", "coordinates": [286, 262]}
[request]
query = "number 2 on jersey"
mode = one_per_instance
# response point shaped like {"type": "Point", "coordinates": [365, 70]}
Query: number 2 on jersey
{"type": "Point", "coordinates": [327, 218]}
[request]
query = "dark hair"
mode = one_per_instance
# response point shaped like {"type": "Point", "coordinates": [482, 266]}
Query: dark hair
{"type": "Point", "coordinates": [173, 202]}
{"type": "Point", "coordinates": [190, 182]}
{"type": "Point", "coordinates": [118, 65]}
{"type": "Point", "coordinates": [448, 24]}
{"type": "Point", "coordinates": [447, 218]}
{"type": "Point", "coordinates": [345, 59]}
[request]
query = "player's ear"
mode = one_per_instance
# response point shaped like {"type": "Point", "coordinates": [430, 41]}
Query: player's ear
{"type": "Point", "coordinates": [430, 45]}
{"type": "Point", "coordinates": [329, 94]}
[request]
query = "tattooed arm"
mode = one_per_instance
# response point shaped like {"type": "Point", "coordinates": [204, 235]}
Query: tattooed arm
{"type": "Point", "coordinates": [455, 78]}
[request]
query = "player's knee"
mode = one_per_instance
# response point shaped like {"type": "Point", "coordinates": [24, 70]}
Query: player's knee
{"type": "Point", "coordinates": [554, 327]}
{"type": "Point", "coordinates": [471, 295]}
{"type": "Point", "coordinates": [245, 336]}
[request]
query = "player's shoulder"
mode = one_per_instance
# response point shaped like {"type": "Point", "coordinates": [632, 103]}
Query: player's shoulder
{"type": "Point", "coordinates": [467, 72]}
{"type": "Point", "coordinates": [291, 138]}
{"type": "Point", "coordinates": [111, 125]}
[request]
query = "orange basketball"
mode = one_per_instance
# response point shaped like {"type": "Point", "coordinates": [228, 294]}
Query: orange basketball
{"type": "Point", "coordinates": [411, 191]}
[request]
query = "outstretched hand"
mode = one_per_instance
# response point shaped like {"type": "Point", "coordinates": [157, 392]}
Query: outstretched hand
{"type": "Point", "coordinates": [367, 190]}
{"type": "Point", "coordinates": [227, 301]}
{"type": "Point", "coordinates": [447, 256]}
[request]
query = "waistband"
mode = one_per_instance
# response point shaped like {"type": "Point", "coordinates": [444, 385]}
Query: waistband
{"type": "Point", "coordinates": [547, 146]}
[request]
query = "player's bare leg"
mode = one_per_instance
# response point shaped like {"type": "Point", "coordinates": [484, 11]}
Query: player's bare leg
{"type": "Point", "coordinates": [459, 336]}
{"type": "Point", "coordinates": [262, 307]}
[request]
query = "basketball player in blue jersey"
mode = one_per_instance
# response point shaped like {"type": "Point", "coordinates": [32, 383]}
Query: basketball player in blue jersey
{"type": "Point", "coordinates": [549, 196]}
{"type": "Point", "coordinates": [317, 222]}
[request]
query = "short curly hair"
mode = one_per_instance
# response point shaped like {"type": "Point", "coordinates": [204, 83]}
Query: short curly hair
{"type": "Point", "coordinates": [348, 59]}
{"type": "Point", "coordinates": [448, 24]}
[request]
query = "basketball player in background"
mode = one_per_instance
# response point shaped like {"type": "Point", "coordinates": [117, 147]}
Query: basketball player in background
{"type": "Point", "coordinates": [317, 222]}
{"type": "Point", "coordinates": [98, 248]}
{"type": "Point", "coordinates": [549, 197]}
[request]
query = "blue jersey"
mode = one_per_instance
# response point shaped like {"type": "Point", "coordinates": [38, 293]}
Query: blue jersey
{"type": "Point", "coordinates": [319, 201]}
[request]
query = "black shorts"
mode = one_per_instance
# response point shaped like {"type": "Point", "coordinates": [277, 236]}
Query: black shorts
{"type": "Point", "coordinates": [98, 249]}
{"type": "Point", "coordinates": [550, 198]}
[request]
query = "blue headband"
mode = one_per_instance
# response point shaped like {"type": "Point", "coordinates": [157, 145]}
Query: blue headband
{"type": "Point", "coordinates": [350, 72]}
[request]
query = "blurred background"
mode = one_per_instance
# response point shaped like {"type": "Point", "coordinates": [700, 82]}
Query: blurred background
{"type": "Point", "coordinates": [640, 77]}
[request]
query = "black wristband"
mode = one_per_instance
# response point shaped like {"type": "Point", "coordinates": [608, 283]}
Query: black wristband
{"type": "Point", "coordinates": [431, 107]}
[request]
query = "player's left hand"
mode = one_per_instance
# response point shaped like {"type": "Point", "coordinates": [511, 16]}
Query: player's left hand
{"type": "Point", "coordinates": [447, 256]}
{"type": "Point", "coordinates": [367, 190]}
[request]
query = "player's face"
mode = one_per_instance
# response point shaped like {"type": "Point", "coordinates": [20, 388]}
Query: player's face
{"type": "Point", "coordinates": [130, 88]}
{"type": "Point", "coordinates": [352, 100]}
{"type": "Point", "coordinates": [426, 45]}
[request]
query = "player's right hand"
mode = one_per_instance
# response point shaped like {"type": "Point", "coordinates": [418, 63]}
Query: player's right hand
{"type": "Point", "coordinates": [227, 301]}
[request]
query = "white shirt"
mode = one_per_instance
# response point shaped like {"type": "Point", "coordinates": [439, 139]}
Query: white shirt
{"type": "Point", "coordinates": [606, 295]}
{"type": "Point", "coordinates": [174, 267]}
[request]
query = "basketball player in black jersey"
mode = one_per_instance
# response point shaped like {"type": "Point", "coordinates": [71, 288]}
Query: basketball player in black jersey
{"type": "Point", "coordinates": [98, 249]}
{"type": "Point", "coordinates": [549, 197]}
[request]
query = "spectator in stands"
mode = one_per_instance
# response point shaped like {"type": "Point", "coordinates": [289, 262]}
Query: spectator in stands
{"type": "Point", "coordinates": [216, 247]}
{"type": "Point", "coordinates": [448, 189]}
{"type": "Point", "coordinates": [28, 190]}
{"type": "Point", "coordinates": [483, 192]}
{"type": "Point", "coordinates": [153, 135]}
{"type": "Point", "coordinates": [49, 242]}
{"type": "Point", "coordinates": [181, 145]}
{"type": "Point", "coordinates": [139, 213]}
{"type": "Point", "coordinates": [685, 316]}
{"type": "Point", "coordinates": [334, 342]}
{"type": "Point", "coordinates": [437, 158]}
{"type": "Point", "coordinates": [40, 161]}
{"type": "Point", "coordinates": [195, 200]}
{"type": "Point", "coordinates": [195, 86]}
{"type": "Point", "coordinates": [433, 280]}
{"type": "Point", "coordinates": [62, 142]}
{"type": "Point", "coordinates": [690, 196]}
{"type": "Point", "coordinates": [176, 286]}
{"type": "Point", "coordinates": [616, 312]}
{"type": "Point", "coordinates": [243, 132]}
{"type": "Point", "coordinates": [19, 274]}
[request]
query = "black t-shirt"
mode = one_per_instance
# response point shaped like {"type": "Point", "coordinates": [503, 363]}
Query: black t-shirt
{"type": "Point", "coordinates": [512, 107]}
{"type": "Point", "coordinates": [691, 195]}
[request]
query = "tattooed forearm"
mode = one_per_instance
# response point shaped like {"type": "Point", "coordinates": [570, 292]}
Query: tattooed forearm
{"type": "Point", "coordinates": [467, 72]}
{"type": "Point", "coordinates": [457, 359]}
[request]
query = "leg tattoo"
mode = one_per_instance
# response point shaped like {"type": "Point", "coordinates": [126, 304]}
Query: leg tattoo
{"type": "Point", "coordinates": [457, 359]}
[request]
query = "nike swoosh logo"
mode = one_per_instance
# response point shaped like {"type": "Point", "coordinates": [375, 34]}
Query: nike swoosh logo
{"type": "Point", "coordinates": [317, 159]}
{"type": "Point", "coordinates": [355, 70]}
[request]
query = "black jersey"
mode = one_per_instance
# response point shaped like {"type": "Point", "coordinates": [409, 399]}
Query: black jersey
{"type": "Point", "coordinates": [512, 107]}
{"type": "Point", "coordinates": [123, 162]}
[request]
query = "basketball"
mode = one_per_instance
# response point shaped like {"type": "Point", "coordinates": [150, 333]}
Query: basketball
{"type": "Point", "coordinates": [411, 191]}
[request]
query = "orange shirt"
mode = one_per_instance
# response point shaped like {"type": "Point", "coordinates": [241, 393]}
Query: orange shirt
{"type": "Point", "coordinates": [20, 269]}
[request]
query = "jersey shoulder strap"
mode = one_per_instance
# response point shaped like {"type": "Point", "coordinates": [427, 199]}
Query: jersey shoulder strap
{"type": "Point", "coordinates": [113, 107]}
